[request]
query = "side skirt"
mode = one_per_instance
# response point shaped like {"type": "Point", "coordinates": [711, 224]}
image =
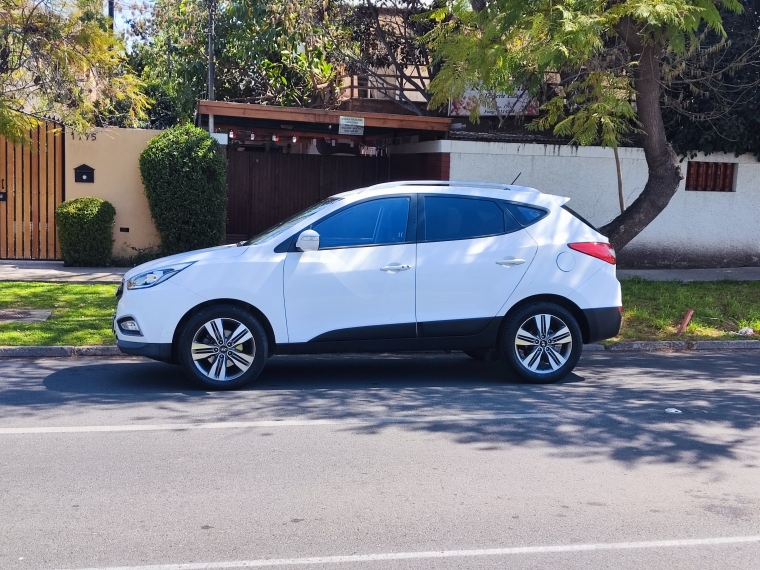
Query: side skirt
{"type": "Point", "coordinates": [485, 339]}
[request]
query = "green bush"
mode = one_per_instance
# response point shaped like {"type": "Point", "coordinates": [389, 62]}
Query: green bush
{"type": "Point", "coordinates": [85, 230]}
{"type": "Point", "coordinates": [184, 172]}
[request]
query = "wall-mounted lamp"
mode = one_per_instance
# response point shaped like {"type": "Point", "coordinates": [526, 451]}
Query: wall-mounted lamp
{"type": "Point", "coordinates": [253, 136]}
{"type": "Point", "coordinates": [275, 138]}
{"type": "Point", "coordinates": [295, 138]}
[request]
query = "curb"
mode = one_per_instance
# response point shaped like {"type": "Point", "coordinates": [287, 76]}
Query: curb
{"type": "Point", "coordinates": [631, 346]}
{"type": "Point", "coordinates": [684, 345]}
{"type": "Point", "coordinates": [57, 351]}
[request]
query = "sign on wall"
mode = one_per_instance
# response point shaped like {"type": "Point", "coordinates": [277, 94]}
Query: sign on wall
{"type": "Point", "coordinates": [518, 104]}
{"type": "Point", "coordinates": [351, 126]}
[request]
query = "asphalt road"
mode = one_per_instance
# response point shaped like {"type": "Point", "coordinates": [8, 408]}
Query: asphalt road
{"type": "Point", "coordinates": [384, 462]}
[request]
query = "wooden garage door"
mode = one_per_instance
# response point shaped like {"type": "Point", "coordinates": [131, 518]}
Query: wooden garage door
{"type": "Point", "coordinates": [31, 188]}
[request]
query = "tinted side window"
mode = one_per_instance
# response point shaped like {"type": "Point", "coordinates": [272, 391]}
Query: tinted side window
{"type": "Point", "coordinates": [449, 218]}
{"type": "Point", "coordinates": [525, 215]}
{"type": "Point", "coordinates": [371, 223]}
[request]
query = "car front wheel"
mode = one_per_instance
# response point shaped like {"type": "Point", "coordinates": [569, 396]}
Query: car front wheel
{"type": "Point", "coordinates": [222, 347]}
{"type": "Point", "coordinates": [541, 343]}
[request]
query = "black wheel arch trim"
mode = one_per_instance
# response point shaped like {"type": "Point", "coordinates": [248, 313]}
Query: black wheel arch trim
{"type": "Point", "coordinates": [591, 326]}
{"type": "Point", "coordinates": [255, 312]}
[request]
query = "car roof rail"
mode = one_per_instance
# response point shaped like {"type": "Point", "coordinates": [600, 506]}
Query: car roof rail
{"type": "Point", "coordinates": [447, 183]}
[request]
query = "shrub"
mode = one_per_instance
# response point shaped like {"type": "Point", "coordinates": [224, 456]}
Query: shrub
{"type": "Point", "coordinates": [185, 176]}
{"type": "Point", "coordinates": [85, 230]}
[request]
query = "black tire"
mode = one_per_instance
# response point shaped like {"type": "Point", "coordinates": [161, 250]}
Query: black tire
{"type": "Point", "coordinates": [551, 361]}
{"type": "Point", "coordinates": [226, 358]}
{"type": "Point", "coordinates": [485, 354]}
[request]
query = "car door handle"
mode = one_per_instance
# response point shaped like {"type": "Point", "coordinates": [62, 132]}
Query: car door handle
{"type": "Point", "coordinates": [393, 267]}
{"type": "Point", "coordinates": [510, 261]}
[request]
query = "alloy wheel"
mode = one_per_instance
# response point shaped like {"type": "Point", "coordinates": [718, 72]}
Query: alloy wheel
{"type": "Point", "coordinates": [543, 343]}
{"type": "Point", "coordinates": [223, 349]}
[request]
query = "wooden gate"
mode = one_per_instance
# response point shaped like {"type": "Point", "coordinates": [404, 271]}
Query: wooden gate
{"type": "Point", "coordinates": [31, 189]}
{"type": "Point", "coordinates": [265, 188]}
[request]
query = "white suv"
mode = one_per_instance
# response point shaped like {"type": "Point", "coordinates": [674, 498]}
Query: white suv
{"type": "Point", "coordinates": [403, 266]}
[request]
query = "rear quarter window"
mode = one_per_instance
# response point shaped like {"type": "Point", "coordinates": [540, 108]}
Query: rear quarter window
{"type": "Point", "coordinates": [524, 214]}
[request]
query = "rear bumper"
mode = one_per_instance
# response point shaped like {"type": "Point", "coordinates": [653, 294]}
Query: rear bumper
{"type": "Point", "coordinates": [602, 323]}
{"type": "Point", "coordinates": [156, 351]}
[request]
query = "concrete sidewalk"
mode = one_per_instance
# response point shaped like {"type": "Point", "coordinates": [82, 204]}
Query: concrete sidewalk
{"type": "Point", "coordinates": [54, 271]}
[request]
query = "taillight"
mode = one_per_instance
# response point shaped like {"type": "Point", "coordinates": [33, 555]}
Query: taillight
{"type": "Point", "coordinates": [603, 251]}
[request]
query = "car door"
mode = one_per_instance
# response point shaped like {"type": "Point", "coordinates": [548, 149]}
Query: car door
{"type": "Point", "coordinates": [471, 254]}
{"type": "Point", "coordinates": [359, 285]}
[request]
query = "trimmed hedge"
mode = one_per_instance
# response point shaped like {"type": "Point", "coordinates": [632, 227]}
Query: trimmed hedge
{"type": "Point", "coordinates": [85, 230]}
{"type": "Point", "coordinates": [184, 172]}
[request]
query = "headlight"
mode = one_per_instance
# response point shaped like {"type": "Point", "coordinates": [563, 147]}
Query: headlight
{"type": "Point", "coordinates": [156, 276]}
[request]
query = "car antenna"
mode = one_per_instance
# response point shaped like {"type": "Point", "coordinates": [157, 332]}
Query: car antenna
{"type": "Point", "coordinates": [516, 177]}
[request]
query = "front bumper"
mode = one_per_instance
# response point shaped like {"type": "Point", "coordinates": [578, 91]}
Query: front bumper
{"type": "Point", "coordinates": [153, 350]}
{"type": "Point", "coordinates": [602, 323]}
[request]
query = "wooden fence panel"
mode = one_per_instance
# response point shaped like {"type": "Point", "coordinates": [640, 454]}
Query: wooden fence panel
{"type": "Point", "coordinates": [59, 191]}
{"type": "Point", "coordinates": [3, 204]}
{"type": "Point", "coordinates": [18, 191]}
{"type": "Point", "coordinates": [32, 176]}
{"type": "Point", "coordinates": [265, 188]}
{"type": "Point", "coordinates": [50, 196]}
{"type": "Point", "coordinates": [35, 193]}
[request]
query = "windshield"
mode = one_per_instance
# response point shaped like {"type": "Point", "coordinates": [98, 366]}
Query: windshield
{"type": "Point", "coordinates": [290, 222]}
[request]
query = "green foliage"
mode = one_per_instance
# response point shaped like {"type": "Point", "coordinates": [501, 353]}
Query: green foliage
{"type": "Point", "coordinates": [652, 310]}
{"type": "Point", "coordinates": [82, 314]}
{"type": "Point", "coordinates": [566, 51]}
{"type": "Point", "coordinates": [276, 52]}
{"type": "Point", "coordinates": [85, 230]}
{"type": "Point", "coordinates": [59, 58]}
{"type": "Point", "coordinates": [713, 103]}
{"type": "Point", "coordinates": [162, 110]}
{"type": "Point", "coordinates": [184, 172]}
{"type": "Point", "coordinates": [597, 109]}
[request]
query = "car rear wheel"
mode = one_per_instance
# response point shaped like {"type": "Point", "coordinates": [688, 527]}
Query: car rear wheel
{"type": "Point", "coordinates": [222, 348]}
{"type": "Point", "coordinates": [541, 343]}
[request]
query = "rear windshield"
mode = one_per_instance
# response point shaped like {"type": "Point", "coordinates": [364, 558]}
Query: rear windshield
{"type": "Point", "coordinates": [581, 218]}
{"type": "Point", "coordinates": [290, 222]}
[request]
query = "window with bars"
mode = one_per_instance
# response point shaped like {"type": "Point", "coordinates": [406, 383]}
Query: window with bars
{"type": "Point", "coordinates": [710, 176]}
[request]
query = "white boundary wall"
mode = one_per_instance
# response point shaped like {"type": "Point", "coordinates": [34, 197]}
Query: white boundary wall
{"type": "Point", "coordinates": [696, 229]}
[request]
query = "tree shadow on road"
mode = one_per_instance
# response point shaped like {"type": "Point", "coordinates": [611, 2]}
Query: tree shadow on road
{"type": "Point", "coordinates": [614, 407]}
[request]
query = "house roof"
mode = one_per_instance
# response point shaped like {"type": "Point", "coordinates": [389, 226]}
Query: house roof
{"type": "Point", "coordinates": [321, 116]}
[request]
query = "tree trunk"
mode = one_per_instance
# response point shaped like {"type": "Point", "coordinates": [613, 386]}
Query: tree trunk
{"type": "Point", "coordinates": [662, 162]}
{"type": "Point", "coordinates": [621, 195]}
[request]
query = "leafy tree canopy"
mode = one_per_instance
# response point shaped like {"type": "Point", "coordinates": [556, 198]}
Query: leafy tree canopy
{"type": "Point", "coordinates": [713, 100]}
{"type": "Point", "coordinates": [273, 52]}
{"type": "Point", "coordinates": [603, 61]}
{"type": "Point", "coordinates": [59, 59]}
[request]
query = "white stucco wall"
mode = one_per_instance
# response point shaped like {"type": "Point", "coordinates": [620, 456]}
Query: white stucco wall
{"type": "Point", "coordinates": [697, 228]}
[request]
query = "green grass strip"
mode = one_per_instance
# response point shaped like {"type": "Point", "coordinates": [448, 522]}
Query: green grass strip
{"type": "Point", "coordinates": [652, 310]}
{"type": "Point", "coordinates": [81, 315]}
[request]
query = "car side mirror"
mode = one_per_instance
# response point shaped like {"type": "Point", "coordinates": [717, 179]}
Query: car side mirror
{"type": "Point", "coordinates": [308, 241]}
